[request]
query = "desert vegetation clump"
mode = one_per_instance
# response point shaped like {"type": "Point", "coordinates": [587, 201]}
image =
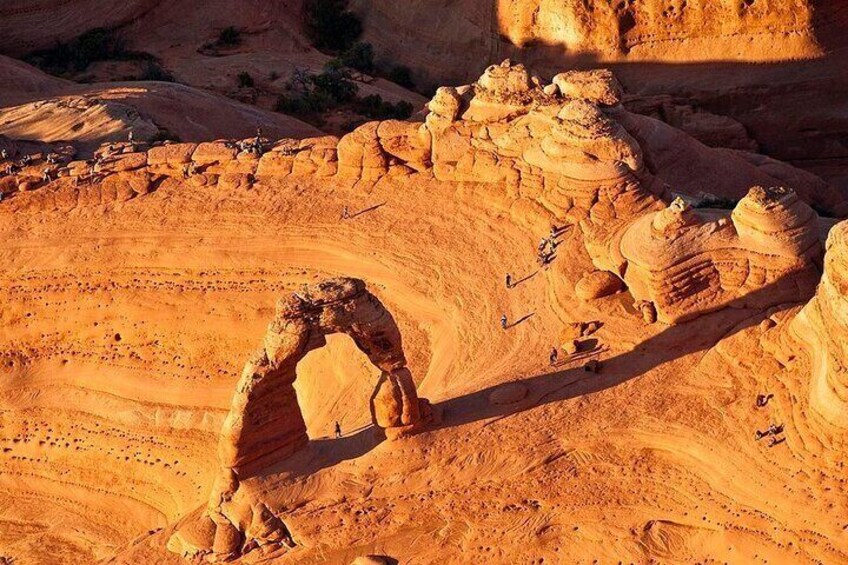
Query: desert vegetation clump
{"type": "Point", "coordinates": [330, 25]}
{"type": "Point", "coordinates": [71, 58]}
{"type": "Point", "coordinates": [245, 80]}
{"type": "Point", "coordinates": [310, 95]}
{"type": "Point", "coordinates": [229, 37]}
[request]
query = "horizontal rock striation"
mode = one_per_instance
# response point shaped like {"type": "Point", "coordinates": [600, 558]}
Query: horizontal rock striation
{"type": "Point", "coordinates": [689, 262]}
{"type": "Point", "coordinates": [568, 146]}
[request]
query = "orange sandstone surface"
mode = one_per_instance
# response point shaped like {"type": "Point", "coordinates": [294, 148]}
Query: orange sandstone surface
{"type": "Point", "coordinates": [141, 424]}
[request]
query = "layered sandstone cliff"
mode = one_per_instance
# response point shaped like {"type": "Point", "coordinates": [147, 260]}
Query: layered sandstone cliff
{"type": "Point", "coordinates": [548, 32]}
{"type": "Point", "coordinates": [571, 147]}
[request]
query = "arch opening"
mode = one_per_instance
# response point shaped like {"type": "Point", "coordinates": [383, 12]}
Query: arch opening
{"type": "Point", "coordinates": [334, 384]}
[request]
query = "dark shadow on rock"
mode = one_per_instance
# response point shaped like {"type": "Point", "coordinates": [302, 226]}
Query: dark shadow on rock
{"type": "Point", "coordinates": [520, 320]}
{"type": "Point", "coordinates": [560, 385]}
{"type": "Point", "coordinates": [369, 209]}
{"type": "Point", "coordinates": [326, 452]}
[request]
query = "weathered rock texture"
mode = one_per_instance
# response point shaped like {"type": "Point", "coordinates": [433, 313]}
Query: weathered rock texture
{"type": "Point", "coordinates": [822, 325]}
{"type": "Point", "coordinates": [569, 146]}
{"type": "Point", "coordinates": [265, 423]}
{"type": "Point", "coordinates": [689, 262]}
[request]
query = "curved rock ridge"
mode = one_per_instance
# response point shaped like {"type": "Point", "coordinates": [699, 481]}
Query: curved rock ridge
{"type": "Point", "coordinates": [822, 325]}
{"type": "Point", "coordinates": [560, 143]}
{"type": "Point", "coordinates": [568, 146]}
{"type": "Point", "coordinates": [265, 424]}
{"type": "Point", "coordinates": [690, 262]}
{"type": "Point", "coordinates": [508, 127]}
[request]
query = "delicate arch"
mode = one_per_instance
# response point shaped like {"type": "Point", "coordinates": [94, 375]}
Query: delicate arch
{"type": "Point", "coordinates": [265, 423]}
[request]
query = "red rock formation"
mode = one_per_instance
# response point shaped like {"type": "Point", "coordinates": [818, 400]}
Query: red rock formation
{"type": "Point", "coordinates": [689, 262]}
{"type": "Point", "coordinates": [265, 424]}
{"type": "Point", "coordinates": [571, 147]}
{"type": "Point", "coordinates": [822, 325]}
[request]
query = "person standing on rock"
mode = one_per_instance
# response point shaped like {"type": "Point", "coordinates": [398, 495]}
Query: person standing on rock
{"type": "Point", "coordinates": [338, 430]}
{"type": "Point", "coordinates": [504, 321]}
{"type": "Point", "coordinates": [508, 280]}
{"type": "Point", "coordinates": [554, 357]}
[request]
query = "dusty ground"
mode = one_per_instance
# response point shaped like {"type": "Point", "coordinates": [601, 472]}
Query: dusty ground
{"type": "Point", "coordinates": [125, 325]}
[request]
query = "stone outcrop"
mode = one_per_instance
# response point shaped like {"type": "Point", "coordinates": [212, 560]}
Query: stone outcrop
{"type": "Point", "coordinates": [265, 423]}
{"type": "Point", "coordinates": [822, 326]}
{"type": "Point", "coordinates": [569, 147]}
{"type": "Point", "coordinates": [688, 262]}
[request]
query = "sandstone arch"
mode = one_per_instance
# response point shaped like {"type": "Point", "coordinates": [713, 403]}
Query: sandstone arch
{"type": "Point", "coordinates": [265, 423]}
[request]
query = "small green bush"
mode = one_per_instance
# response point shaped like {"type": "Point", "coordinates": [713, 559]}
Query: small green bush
{"type": "Point", "coordinates": [359, 56]}
{"type": "Point", "coordinates": [98, 44]}
{"type": "Point", "coordinates": [717, 202]}
{"type": "Point", "coordinates": [310, 95]}
{"type": "Point", "coordinates": [312, 102]}
{"type": "Point", "coordinates": [154, 71]}
{"type": "Point", "coordinates": [335, 82]}
{"type": "Point", "coordinates": [401, 75]}
{"type": "Point", "coordinates": [164, 135]}
{"type": "Point", "coordinates": [375, 108]}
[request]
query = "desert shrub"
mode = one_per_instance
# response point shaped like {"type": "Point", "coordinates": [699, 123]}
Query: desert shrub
{"type": "Point", "coordinates": [312, 102]}
{"type": "Point", "coordinates": [717, 202]}
{"type": "Point", "coordinates": [401, 75]}
{"type": "Point", "coordinates": [313, 94]}
{"type": "Point", "coordinates": [330, 25]}
{"type": "Point", "coordinates": [335, 82]}
{"type": "Point", "coordinates": [375, 108]}
{"type": "Point", "coordinates": [245, 80]}
{"type": "Point", "coordinates": [229, 36]}
{"type": "Point", "coordinates": [359, 56]}
{"type": "Point", "coordinates": [164, 135]}
{"type": "Point", "coordinates": [98, 44]}
{"type": "Point", "coordinates": [310, 95]}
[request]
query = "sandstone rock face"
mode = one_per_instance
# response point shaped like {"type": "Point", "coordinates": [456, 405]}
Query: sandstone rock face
{"type": "Point", "coordinates": [571, 148]}
{"type": "Point", "coordinates": [570, 145]}
{"type": "Point", "coordinates": [265, 423]}
{"type": "Point", "coordinates": [370, 560]}
{"type": "Point", "coordinates": [557, 32]}
{"type": "Point", "coordinates": [597, 284]}
{"type": "Point", "coordinates": [823, 325]}
{"type": "Point", "coordinates": [650, 26]}
{"type": "Point", "coordinates": [597, 86]}
{"type": "Point", "coordinates": [687, 262]}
